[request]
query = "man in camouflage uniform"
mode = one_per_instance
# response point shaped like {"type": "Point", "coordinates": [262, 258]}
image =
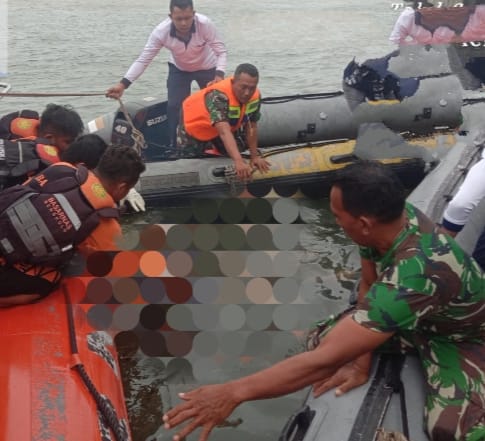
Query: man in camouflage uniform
{"type": "Point", "coordinates": [213, 110]}
{"type": "Point", "coordinates": [417, 286]}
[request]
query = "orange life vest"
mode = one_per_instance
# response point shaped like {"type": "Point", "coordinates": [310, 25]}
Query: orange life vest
{"type": "Point", "coordinates": [65, 204]}
{"type": "Point", "coordinates": [20, 124]}
{"type": "Point", "coordinates": [25, 157]}
{"type": "Point", "coordinates": [196, 115]}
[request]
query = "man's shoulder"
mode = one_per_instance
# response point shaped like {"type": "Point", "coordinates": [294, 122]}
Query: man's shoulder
{"type": "Point", "coordinates": [163, 28]}
{"type": "Point", "coordinates": [217, 93]}
{"type": "Point", "coordinates": [203, 20]}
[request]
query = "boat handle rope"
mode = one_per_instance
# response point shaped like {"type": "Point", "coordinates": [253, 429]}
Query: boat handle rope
{"type": "Point", "coordinates": [107, 411]}
{"type": "Point", "coordinates": [136, 135]}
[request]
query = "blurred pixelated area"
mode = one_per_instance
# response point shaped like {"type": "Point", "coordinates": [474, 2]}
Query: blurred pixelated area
{"type": "Point", "coordinates": [221, 288]}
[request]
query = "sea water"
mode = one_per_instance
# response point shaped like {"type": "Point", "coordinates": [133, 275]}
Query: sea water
{"type": "Point", "coordinates": [298, 46]}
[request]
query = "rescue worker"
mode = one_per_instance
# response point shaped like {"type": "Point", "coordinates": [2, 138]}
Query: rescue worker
{"type": "Point", "coordinates": [211, 117]}
{"type": "Point", "coordinates": [197, 53]}
{"type": "Point", "coordinates": [417, 285]}
{"type": "Point", "coordinates": [29, 144]}
{"type": "Point", "coordinates": [86, 150]}
{"type": "Point", "coordinates": [116, 173]}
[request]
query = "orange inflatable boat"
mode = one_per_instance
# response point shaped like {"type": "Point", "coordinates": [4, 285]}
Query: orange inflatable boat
{"type": "Point", "coordinates": [59, 377]}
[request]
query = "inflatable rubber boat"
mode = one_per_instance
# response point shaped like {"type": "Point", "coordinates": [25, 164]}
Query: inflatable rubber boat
{"type": "Point", "coordinates": [59, 377]}
{"type": "Point", "coordinates": [306, 138]}
{"type": "Point", "coordinates": [392, 401]}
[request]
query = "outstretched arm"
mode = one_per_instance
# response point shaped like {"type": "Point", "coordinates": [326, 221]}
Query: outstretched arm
{"type": "Point", "coordinates": [252, 139]}
{"type": "Point", "coordinates": [243, 169]}
{"type": "Point", "coordinates": [151, 49]}
{"type": "Point", "coordinates": [210, 405]}
{"type": "Point", "coordinates": [469, 195]}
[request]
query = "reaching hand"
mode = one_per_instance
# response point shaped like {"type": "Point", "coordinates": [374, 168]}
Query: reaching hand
{"type": "Point", "coordinates": [261, 164]}
{"type": "Point", "coordinates": [243, 169]}
{"type": "Point", "coordinates": [134, 200]}
{"type": "Point", "coordinates": [115, 91]}
{"type": "Point", "coordinates": [348, 377]}
{"type": "Point", "coordinates": [206, 407]}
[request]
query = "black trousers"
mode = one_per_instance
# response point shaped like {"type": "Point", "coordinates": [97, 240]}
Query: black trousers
{"type": "Point", "coordinates": [178, 88]}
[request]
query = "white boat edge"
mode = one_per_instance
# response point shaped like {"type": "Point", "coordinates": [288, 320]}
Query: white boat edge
{"type": "Point", "coordinates": [4, 88]}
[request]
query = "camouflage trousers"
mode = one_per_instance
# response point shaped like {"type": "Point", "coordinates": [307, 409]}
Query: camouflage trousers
{"type": "Point", "coordinates": [455, 395]}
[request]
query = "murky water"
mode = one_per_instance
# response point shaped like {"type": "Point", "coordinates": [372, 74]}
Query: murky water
{"type": "Point", "coordinates": [299, 47]}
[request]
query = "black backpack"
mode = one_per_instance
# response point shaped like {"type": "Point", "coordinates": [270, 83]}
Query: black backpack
{"type": "Point", "coordinates": [42, 221]}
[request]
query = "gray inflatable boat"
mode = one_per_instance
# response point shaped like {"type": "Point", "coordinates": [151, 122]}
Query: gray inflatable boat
{"type": "Point", "coordinates": [393, 398]}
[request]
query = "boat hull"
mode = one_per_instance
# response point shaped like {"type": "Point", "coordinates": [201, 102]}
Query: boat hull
{"type": "Point", "coordinates": [44, 398]}
{"type": "Point", "coordinates": [302, 118]}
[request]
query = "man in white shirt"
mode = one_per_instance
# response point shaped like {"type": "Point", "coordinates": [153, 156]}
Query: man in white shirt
{"type": "Point", "coordinates": [196, 53]}
{"type": "Point", "coordinates": [469, 195]}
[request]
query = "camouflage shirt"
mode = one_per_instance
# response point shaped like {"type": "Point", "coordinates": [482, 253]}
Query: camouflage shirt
{"type": "Point", "coordinates": [431, 294]}
{"type": "Point", "coordinates": [217, 104]}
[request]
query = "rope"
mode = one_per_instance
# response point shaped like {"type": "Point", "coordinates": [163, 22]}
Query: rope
{"type": "Point", "coordinates": [235, 185]}
{"type": "Point", "coordinates": [136, 135]}
{"type": "Point", "coordinates": [103, 405]}
{"type": "Point", "coordinates": [47, 94]}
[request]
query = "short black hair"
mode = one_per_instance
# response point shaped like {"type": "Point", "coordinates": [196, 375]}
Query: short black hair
{"type": "Point", "coordinates": [86, 149]}
{"type": "Point", "coordinates": [121, 163]}
{"type": "Point", "coordinates": [181, 4]}
{"type": "Point", "coordinates": [61, 120]}
{"type": "Point", "coordinates": [246, 68]}
{"type": "Point", "coordinates": [370, 188]}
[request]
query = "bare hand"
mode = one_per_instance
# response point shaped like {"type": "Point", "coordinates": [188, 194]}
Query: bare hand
{"type": "Point", "coordinates": [348, 377]}
{"type": "Point", "coordinates": [206, 407]}
{"type": "Point", "coordinates": [261, 164]}
{"type": "Point", "coordinates": [115, 91]}
{"type": "Point", "coordinates": [243, 169]}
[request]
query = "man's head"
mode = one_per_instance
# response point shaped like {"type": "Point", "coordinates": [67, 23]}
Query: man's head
{"type": "Point", "coordinates": [60, 125]}
{"type": "Point", "coordinates": [86, 149]}
{"type": "Point", "coordinates": [245, 82]}
{"type": "Point", "coordinates": [182, 15]}
{"type": "Point", "coordinates": [119, 169]}
{"type": "Point", "coordinates": [366, 197]}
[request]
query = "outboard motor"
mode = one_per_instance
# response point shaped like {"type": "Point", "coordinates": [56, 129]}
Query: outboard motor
{"type": "Point", "coordinates": [148, 117]}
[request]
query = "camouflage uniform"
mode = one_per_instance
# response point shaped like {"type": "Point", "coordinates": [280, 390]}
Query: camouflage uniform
{"type": "Point", "coordinates": [432, 295]}
{"type": "Point", "coordinates": [217, 104]}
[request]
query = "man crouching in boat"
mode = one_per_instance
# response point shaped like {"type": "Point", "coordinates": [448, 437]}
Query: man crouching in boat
{"type": "Point", "coordinates": [417, 285]}
{"type": "Point", "coordinates": [63, 209]}
{"type": "Point", "coordinates": [211, 116]}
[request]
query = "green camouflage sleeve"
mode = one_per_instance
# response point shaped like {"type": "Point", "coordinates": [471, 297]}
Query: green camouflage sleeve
{"type": "Point", "coordinates": [387, 308]}
{"type": "Point", "coordinates": [218, 106]}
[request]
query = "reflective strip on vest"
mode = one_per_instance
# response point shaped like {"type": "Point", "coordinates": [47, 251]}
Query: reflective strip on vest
{"type": "Point", "coordinates": [70, 212]}
{"type": "Point", "coordinates": [32, 229]}
{"type": "Point", "coordinates": [252, 106]}
{"type": "Point", "coordinates": [234, 112]}
{"type": "Point", "coordinates": [21, 152]}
